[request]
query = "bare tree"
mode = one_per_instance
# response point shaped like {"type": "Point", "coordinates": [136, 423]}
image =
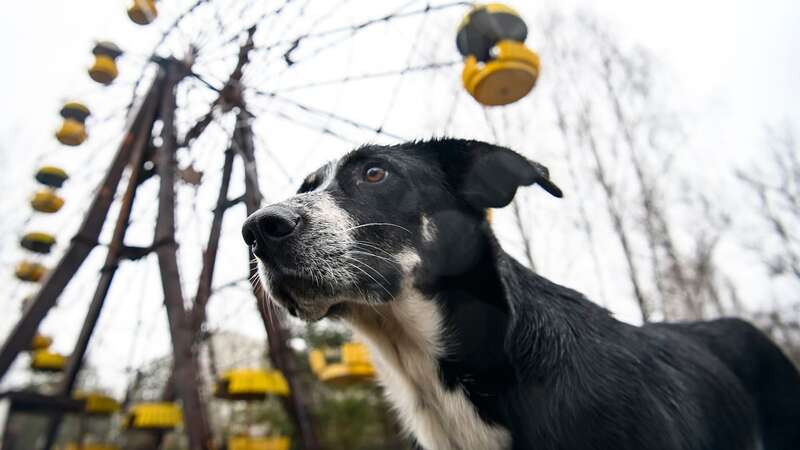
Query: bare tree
{"type": "Point", "coordinates": [776, 185]}
{"type": "Point", "coordinates": [619, 140]}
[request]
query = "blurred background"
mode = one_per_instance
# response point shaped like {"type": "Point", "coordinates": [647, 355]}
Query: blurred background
{"type": "Point", "coordinates": [670, 126]}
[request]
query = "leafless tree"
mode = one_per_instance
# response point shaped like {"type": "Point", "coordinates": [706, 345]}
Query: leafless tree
{"type": "Point", "coordinates": [775, 182]}
{"type": "Point", "coordinates": [619, 142]}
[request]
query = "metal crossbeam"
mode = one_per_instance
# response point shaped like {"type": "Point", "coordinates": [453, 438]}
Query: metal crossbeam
{"type": "Point", "coordinates": [186, 366]}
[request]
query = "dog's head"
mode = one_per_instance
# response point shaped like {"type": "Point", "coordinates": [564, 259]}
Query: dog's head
{"type": "Point", "coordinates": [362, 227]}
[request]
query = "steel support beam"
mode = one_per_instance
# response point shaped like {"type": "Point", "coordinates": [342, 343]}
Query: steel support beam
{"type": "Point", "coordinates": [186, 379]}
{"type": "Point", "coordinates": [212, 247]}
{"type": "Point", "coordinates": [198, 314]}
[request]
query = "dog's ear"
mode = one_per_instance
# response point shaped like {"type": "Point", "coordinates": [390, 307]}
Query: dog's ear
{"type": "Point", "coordinates": [487, 176]}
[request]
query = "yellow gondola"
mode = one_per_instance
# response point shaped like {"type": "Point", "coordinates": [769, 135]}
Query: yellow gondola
{"type": "Point", "coordinates": [29, 271]}
{"type": "Point", "coordinates": [51, 176]}
{"type": "Point", "coordinates": [38, 242]}
{"type": "Point", "coordinates": [97, 403]}
{"type": "Point", "coordinates": [250, 384]}
{"type": "Point", "coordinates": [251, 443]}
{"type": "Point", "coordinates": [47, 361]}
{"type": "Point", "coordinates": [104, 70]}
{"type": "Point", "coordinates": [73, 129]}
{"type": "Point", "coordinates": [143, 12]}
{"type": "Point", "coordinates": [72, 133]}
{"type": "Point", "coordinates": [40, 342]}
{"type": "Point", "coordinates": [498, 68]}
{"type": "Point", "coordinates": [348, 365]}
{"type": "Point", "coordinates": [46, 201]}
{"type": "Point", "coordinates": [153, 416]}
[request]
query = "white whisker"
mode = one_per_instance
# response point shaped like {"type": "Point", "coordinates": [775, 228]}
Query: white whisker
{"type": "Point", "coordinates": [369, 267]}
{"type": "Point", "coordinates": [367, 244]}
{"type": "Point", "coordinates": [371, 277]}
{"type": "Point", "coordinates": [375, 224]}
{"type": "Point", "coordinates": [391, 261]}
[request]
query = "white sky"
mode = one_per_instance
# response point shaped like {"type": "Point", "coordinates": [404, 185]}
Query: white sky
{"type": "Point", "coordinates": [734, 65]}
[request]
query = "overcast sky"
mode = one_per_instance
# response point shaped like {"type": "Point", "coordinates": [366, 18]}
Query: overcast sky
{"type": "Point", "coordinates": [733, 64]}
{"type": "Point", "coordinates": [736, 60]}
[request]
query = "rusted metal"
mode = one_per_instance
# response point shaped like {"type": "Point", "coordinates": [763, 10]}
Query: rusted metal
{"type": "Point", "coordinates": [212, 247]}
{"type": "Point", "coordinates": [229, 97]}
{"type": "Point", "coordinates": [198, 313]}
{"type": "Point", "coordinates": [184, 326]}
{"type": "Point", "coordinates": [185, 359]}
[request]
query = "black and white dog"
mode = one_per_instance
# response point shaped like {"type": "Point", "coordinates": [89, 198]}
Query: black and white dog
{"type": "Point", "coordinates": [475, 351]}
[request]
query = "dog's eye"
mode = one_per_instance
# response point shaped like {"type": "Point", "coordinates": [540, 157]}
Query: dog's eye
{"type": "Point", "coordinates": [374, 174]}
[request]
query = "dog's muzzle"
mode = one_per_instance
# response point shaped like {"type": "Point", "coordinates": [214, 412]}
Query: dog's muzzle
{"type": "Point", "coordinates": [301, 249]}
{"type": "Point", "coordinates": [266, 230]}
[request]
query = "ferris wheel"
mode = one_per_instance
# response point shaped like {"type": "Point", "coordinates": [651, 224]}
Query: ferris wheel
{"type": "Point", "coordinates": [205, 106]}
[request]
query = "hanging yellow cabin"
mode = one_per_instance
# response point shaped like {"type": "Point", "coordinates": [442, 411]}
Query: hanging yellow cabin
{"type": "Point", "coordinates": [104, 70]}
{"type": "Point", "coordinates": [47, 361]}
{"type": "Point", "coordinates": [73, 129]}
{"type": "Point", "coordinates": [51, 176]}
{"type": "Point", "coordinates": [47, 202]}
{"type": "Point", "coordinates": [29, 271]}
{"type": "Point", "coordinates": [97, 403]}
{"type": "Point", "coordinates": [38, 242]}
{"type": "Point", "coordinates": [348, 365]}
{"type": "Point", "coordinates": [250, 384]}
{"type": "Point", "coordinates": [72, 133]}
{"type": "Point", "coordinates": [153, 416]}
{"type": "Point", "coordinates": [143, 12]}
{"type": "Point", "coordinates": [40, 342]}
{"type": "Point", "coordinates": [251, 443]}
{"type": "Point", "coordinates": [498, 68]}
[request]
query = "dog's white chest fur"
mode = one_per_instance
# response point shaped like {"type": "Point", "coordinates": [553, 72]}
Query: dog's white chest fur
{"type": "Point", "coordinates": [404, 337]}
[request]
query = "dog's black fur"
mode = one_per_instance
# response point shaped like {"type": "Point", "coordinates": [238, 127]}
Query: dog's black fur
{"type": "Point", "coordinates": [538, 359]}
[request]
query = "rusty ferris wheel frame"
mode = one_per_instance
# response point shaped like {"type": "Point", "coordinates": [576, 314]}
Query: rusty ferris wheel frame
{"type": "Point", "coordinates": [155, 113]}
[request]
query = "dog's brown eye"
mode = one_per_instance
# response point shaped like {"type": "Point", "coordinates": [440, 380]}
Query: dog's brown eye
{"type": "Point", "coordinates": [374, 175]}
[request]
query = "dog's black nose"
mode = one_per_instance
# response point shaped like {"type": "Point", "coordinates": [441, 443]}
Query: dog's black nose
{"type": "Point", "coordinates": [270, 224]}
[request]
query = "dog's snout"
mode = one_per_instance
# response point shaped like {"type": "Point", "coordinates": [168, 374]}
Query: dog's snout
{"type": "Point", "coordinates": [270, 224]}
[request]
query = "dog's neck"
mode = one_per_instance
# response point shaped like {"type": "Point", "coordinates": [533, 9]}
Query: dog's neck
{"type": "Point", "coordinates": [405, 337]}
{"type": "Point", "coordinates": [432, 382]}
{"type": "Point", "coordinates": [441, 347]}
